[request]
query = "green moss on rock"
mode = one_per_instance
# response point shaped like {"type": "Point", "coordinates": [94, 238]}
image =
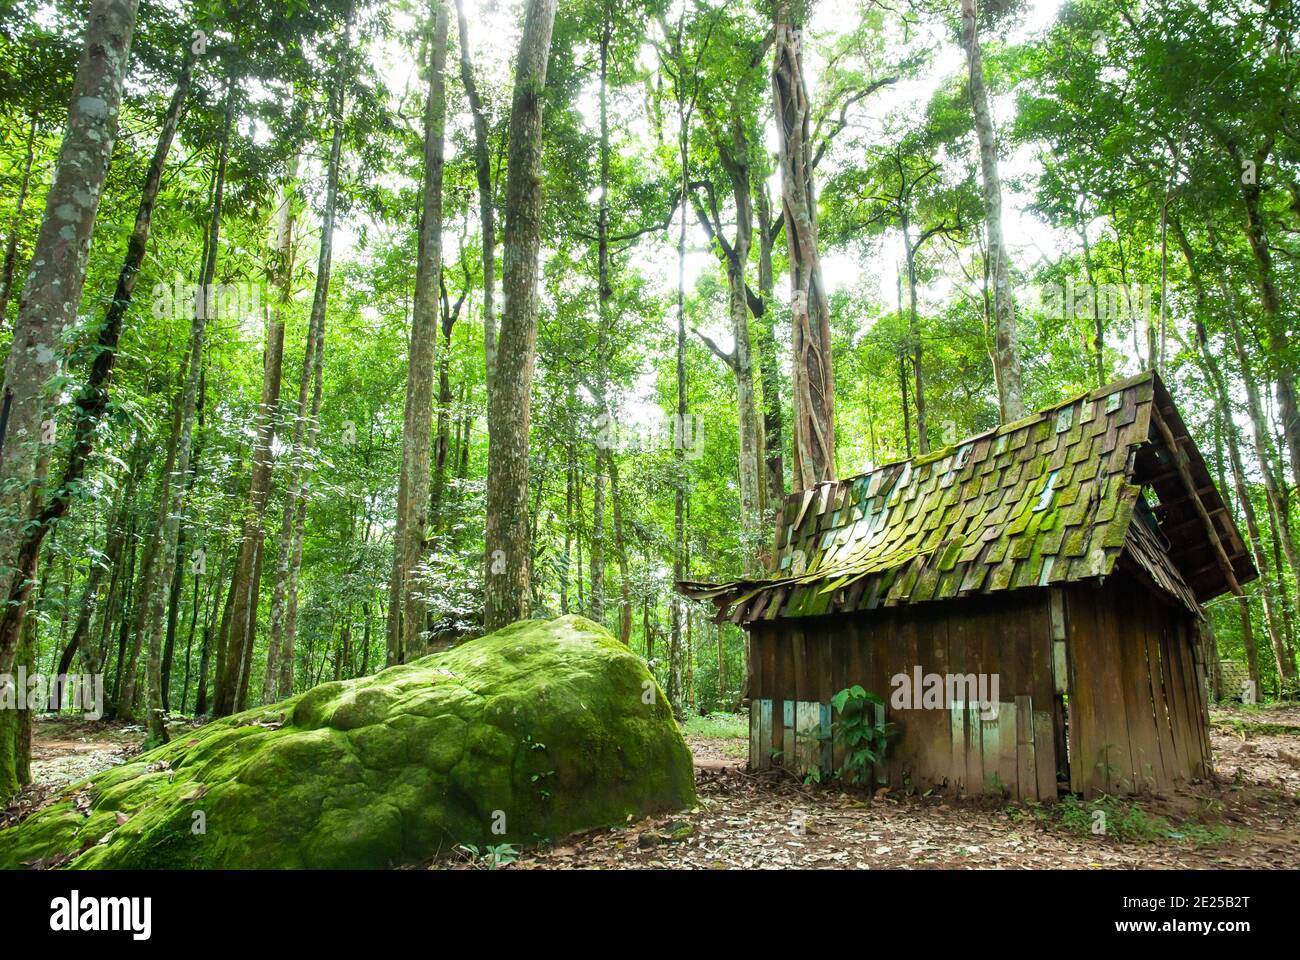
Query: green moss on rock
{"type": "Point", "coordinates": [539, 729]}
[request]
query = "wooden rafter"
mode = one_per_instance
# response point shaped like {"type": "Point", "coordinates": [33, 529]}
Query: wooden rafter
{"type": "Point", "coordinates": [1180, 462]}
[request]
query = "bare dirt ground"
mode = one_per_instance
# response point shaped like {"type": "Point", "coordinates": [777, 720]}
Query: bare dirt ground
{"type": "Point", "coordinates": [1247, 818]}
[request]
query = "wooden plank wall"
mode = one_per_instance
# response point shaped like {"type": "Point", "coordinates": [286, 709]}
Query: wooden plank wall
{"type": "Point", "coordinates": [1138, 709]}
{"type": "Point", "coordinates": [798, 666]}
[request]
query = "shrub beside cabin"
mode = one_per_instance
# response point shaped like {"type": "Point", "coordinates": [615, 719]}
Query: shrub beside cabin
{"type": "Point", "coordinates": [1066, 555]}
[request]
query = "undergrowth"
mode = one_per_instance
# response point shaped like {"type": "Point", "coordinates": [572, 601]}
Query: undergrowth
{"type": "Point", "coordinates": [1126, 821]}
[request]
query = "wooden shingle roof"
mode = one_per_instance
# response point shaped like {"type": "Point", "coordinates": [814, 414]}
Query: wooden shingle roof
{"type": "Point", "coordinates": [1062, 496]}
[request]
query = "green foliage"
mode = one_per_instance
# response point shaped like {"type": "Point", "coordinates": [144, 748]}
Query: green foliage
{"type": "Point", "coordinates": [501, 855]}
{"type": "Point", "coordinates": [1127, 821]}
{"type": "Point", "coordinates": [724, 726]}
{"type": "Point", "coordinates": [860, 728]}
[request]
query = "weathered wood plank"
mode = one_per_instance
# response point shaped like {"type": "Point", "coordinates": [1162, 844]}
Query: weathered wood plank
{"type": "Point", "coordinates": [799, 665]}
{"type": "Point", "coordinates": [1183, 754]}
{"type": "Point", "coordinates": [1045, 755]}
{"type": "Point", "coordinates": [1115, 752]}
{"type": "Point", "coordinates": [842, 644]}
{"type": "Point", "coordinates": [957, 722]}
{"type": "Point", "coordinates": [827, 761]}
{"type": "Point", "coordinates": [958, 632]}
{"type": "Point", "coordinates": [937, 750]}
{"type": "Point", "coordinates": [808, 723]}
{"type": "Point", "coordinates": [911, 723]}
{"type": "Point", "coordinates": [1008, 767]}
{"type": "Point", "coordinates": [1154, 627]}
{"type": "Point", "coordinates": [1130, 663]}
{"type": "Point", "coordinates": [789, 739]}
{"type": "Point", "coordinates": [1025, 757]}
{"type": "Point", "coordinates": [1084, 730]}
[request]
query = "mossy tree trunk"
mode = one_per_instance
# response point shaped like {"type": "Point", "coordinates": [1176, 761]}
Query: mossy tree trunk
{"type": "Point", "coordinates": [50, 300]}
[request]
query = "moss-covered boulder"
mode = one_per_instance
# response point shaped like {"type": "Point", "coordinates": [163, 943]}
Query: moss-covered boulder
{"type": "Point", "coordinates": [529, 733]}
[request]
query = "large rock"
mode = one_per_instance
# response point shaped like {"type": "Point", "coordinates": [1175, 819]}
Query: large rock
{"type": "Point", "coordinates": [538, 730]}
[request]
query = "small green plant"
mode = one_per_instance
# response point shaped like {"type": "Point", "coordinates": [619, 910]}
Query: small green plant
{"type": "Point", "coordinates": [497, 856]}
{"type": "Point", "coordinates": [540, 780]}
{"type": "Point", "coordinates": [994, 787]}
{"type": "Point", "coordinates": [1127, 821]}
{"type": "Point", "coordinates": [855, 726]}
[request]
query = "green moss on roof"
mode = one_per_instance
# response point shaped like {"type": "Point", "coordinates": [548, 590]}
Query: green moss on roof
{"type": "Point", "coordinates": [973, 517]}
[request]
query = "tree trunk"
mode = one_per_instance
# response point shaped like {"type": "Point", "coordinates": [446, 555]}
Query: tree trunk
{"type": "Point", "coordinates": [814, 376]}
{"type": "Point", "coordinates": [604, 293]}
{"type": "Point", "coordinates": [674, 686]}
{"type": "Point", "coordinates": [285, 682]}
{"type": "Point", "coordinates": [508, 560]}
{"type": "Point", "coordinates": [15, 725]}
{"type": "Point", "coordinates": [487, 216]}
{"type": "Point", "coordinates": [173, 614]}
{"type": "Point", "coordinates": [769, 368]}
{"type": "Point", "coordinates": [408, 589]}
{"type": "Point", "coordinates": [205, 656]}
{"type": "Point", "coordinates": [245, 587]}
{"type": "Point", "coordinates": [50, 301]}
{"type": "Point", "coordinates": [1277, 336]}
{"type": "Point", "coordinates": [442, 448]}
{"type": "Point", "coordinates": [124, 708]}
{"type": "Point", "coordinates": [620, 544]}
{"type": "Point", "coordinates": [1230, 433]}
{"type": "Point", "coordinates": [1006, 353]}
{"type": "Point", "coordinates": [916, 347]}
{"type": "Point", "coordinates": [176, 487]}
{"type": "Point", "coordinates": [1263, 452]}
{"type": "Point", "coordinates": [734, 158]}
{"type": "Point", "coordinates": [284, 599]}
{"type": "Point", "coordinates": [189, 641]}
{"type": "Point", "coordinates": [79, 640]}
{"type": "Point", "coordinates": [130, 599]}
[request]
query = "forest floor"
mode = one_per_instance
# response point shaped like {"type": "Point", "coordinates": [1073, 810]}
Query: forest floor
{"type": "Point", "coordinates": [1248, 818]}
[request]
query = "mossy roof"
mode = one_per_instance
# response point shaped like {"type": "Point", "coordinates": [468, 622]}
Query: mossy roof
{"type": "Point", "coordinates": [1046, 500]}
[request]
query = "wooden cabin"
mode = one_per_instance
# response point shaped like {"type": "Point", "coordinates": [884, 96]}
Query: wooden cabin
{"type": "Point", "coordinates": [1065, 557]}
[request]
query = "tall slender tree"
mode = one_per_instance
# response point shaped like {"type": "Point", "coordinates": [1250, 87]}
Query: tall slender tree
{"type": "Point", "coordinates": [50, 299]}
{"type": "Point", "coordinates": [407, 589]}
{"type": "Point", "coordinates": [1006, 351]}
{"type": "Point", "coordinates": [508, 556]}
